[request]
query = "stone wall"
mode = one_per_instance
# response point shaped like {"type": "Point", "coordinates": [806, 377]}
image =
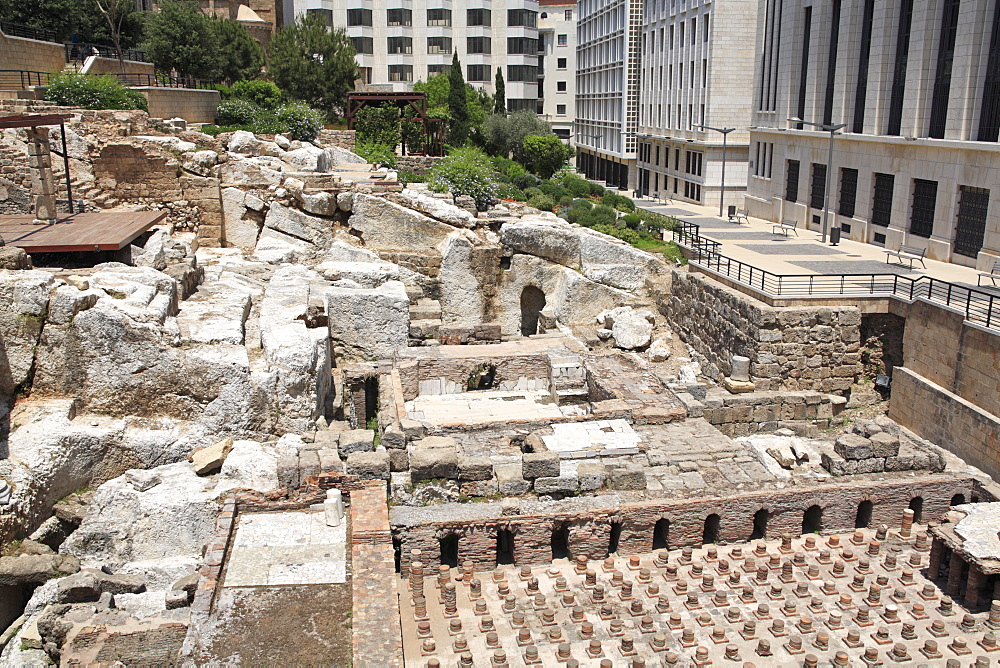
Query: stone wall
{"type": "Point", "coordinates": [744, 414]}
{"type": "Point", "coordinates": [98, 65]}
{"type": "Point", "coordinates": [790, 348]}
{"type": "Point", "coordinates": [946, 419]}
{"type": "Point", "coordinates": [194, 106]}
{"type": "Point", "coordinates": [418, 164]}
{"type": "Point", "coordinates": [447, 375]}
{"type": "Point", "coordinates": [32, 55]}
{"type": "Point", "coordinates": [342, 138]}
{"type": "Point", "coordinates": [589, 531]}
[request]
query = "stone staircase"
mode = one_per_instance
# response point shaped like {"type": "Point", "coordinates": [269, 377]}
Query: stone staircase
{"type": "Point", "coordinates": [425, 319]}
{"type": "Point", "coordinates": [569, 380]}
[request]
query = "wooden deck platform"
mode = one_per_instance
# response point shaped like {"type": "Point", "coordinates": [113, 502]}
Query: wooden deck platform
{"type": "Point", "coordinates": [99, 231]}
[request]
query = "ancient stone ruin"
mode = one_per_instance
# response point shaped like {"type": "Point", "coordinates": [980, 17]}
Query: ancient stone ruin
{"type": "Point", "coordinates": [316, 416]}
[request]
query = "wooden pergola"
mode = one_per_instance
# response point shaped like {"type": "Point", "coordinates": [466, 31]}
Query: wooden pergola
{"type": "Point", "coordinates": [416, 100]}
{"type": "Point", "coordinates": [40, 120]}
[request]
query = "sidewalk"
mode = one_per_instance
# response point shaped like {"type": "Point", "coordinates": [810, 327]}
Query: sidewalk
{"type": "Point", "coordinates": [756, 244]}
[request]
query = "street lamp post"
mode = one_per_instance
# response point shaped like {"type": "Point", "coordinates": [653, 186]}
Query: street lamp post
{"type": "Point", "coordinates": [832, 129]}
{"type": "Point", "coordinates": [725, 135]}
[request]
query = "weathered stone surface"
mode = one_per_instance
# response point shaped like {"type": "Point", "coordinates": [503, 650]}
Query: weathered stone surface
{"type": "Point", "coordinates": [474, 468]}
{"type": "Point", "coordinates": [556, 485]}
{"type": "Point", "coordinates": [439, 209]}
{"type": "Point", "coordinates": [366, 274]}
{"type": "Point", "coordinates": [369, 324]}
{"type": "Point", "coordinates": [511, 480]}
{"type": "Point", "coordinates": [540, 465]}
{"type": "Point", "coordinates": [434, 457]}
{"type": "Point", "coordinates": [308, 158]}
{"type": "Point", "coordinates": [387, 226]}
{"type": "Point", "coordinates": [295, 223]}
{"type": "Point", "coordinates": [209, 460]}
{"type": "Point", "coordinates": [218, 312]}
{"type": "Point", "coordinates": [239, 229]}
{"type": "Point", "coordinates": [24, 298]}
{"type": "Point", "coordinates": [14, 258]}
{"type": "Point", "coordinates": [630, 328]}
{"type": "Point", "coordinates": [552, 241]}
{"type": "Point", "coordinates": [591, 475]}
{"type": "Point", "coordinates": [469, 276]}
{"type": "Point", "coordinates": [659, 351]}
{"type": "Point", "coordinates": [90, 583]}
{"type": "Point", "coordinates": [34, 569]}
{"type": "Point", "coordinates": [319, 203]}
{"type": "Point", "coordinates": [278, 248]}
{"type": "Point", "coordinates": [369, 465]}
{"type": "Point", "coordinates": [628, 478]}
{"type": "Point", "coordinates": [249, 465]}
{"type": "Point", "coordinates": [852, 446]}
{"type": "Point", "coordinates": [884, 445]}
{"type": "Point", "coordinates": [341, 156]}
{"type": "Point", "coordinates": [356, 440]}
{"type": "Point", "coordinates": [242, 142]}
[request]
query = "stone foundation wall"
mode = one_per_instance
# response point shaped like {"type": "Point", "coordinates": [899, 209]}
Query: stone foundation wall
{"type": "Point", "coordinates": [790, 348]}
{"type": "Point", "coordinates": [342, 138]}
{"type": "Point", "coordinates": [418, 164]}
{"type": "Point", "coordinates": [744, 414]}
{"type": "Point", "coordinates": [450, 373]}
{"type": "Point", "coordinates": [946, 419]}
{"type": "Point", "coordinates": [589, 531]}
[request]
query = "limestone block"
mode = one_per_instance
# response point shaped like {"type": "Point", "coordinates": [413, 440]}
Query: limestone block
{"type": "Point", "coordinates": [278, 248]}
{"type": "Point", "coordinates": [369, 324]}
{"type": "Point", "coordinates": [884, 445]}
{"type": "Point", "coordinates": [631, 478]}
{"type": "Point", "coordinates": [659, 351]}
{"type": "Point", "coordinates": [24, 297]}
{"type": "Point", "coordinates": [438, 209]}
{"type": "Point", "coordinates": [384, 225]}
{"type": "Point", "coordinates": [299, 225]}
{"type": "Point", "coordinates": [366, 274]}
{"type": "Point", "coordinates": [341, 156]}
{"type": "Point", "coordinates": [592, 475]}
{"type": "Point", "coordinates": [369, 465]}
{"type": "Point", "coordinates": [540, 465]}
{"type": "Point", "coordinates": [434, 457]}
{"type": "Point", "coordinates": [853, 446]}
{"type": "Point", "coordinates": [356, 440]}
{"type": "Point", "coordinates": [242, 142]}
{"type": "Point", "coordinates": [556, 485]}
{"type": "Point", "coordinates": [308, 158]}
{"type": "Point", "coordinates": [345, 201]}
{"type": "Point", "coordinates": [238, 230]}
{"type": "Point", "coordinates": [90, 583]}
{"type": "Point", "coordinates": [551, 241]}
{"type": "Point", "coordinates": [511, 481]}
{"type": "Point", "coordinates": [475, 468]}
{"type": "Point", "coordinates": [14, 258]}
{"type": "Point", "coordinates": [319, 203]}
{"type": "Point", "coordinates": [399, 460]}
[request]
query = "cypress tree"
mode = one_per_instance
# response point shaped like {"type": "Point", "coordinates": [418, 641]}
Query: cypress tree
{"type": "Point", "coordinates": [500, 97]}
{"type": "Point", "coordinates": [458, 127]}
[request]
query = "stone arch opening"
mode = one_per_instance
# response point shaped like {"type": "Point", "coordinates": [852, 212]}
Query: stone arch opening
{"type": "Point", "coordinates": [661, 534]}
{"type": "Point", "coordinates": [863, 517]}
{"type": "Point", "coordinates": [812, 520]}
{"type": "Point", "coordinates": [532, 303]}
{"type": "Point", "coordinates": [710, 532]}
{"type": "Point", "coordinates": [560, 542]}
{"type": "Point", "coordinates": [614, 537]}
{"type": "Point", "coordinates": [505, 547]}
{"type": "Point", "coordinates": [760, 519]}
{"type": "Point", "coordinates": [397, 553]}
{"type": "Point", "coordinates": [482, 378]}
{"type": "Point", "coordinates": [917, 506]}
{"type": "Point", "coordinates": [449, 550]}
{"type": "Point", "coordinates": [957, 500]}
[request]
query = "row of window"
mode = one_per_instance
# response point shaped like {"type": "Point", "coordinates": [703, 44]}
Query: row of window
{"type": "Point", "coordinates": [435, 17]}
{"type": "Point", "coordinates": [443, 45]}
{"type": "Point", "coordinates": [693, 160]}
{"type": "Point", "coordinates": [478, 73]}
{"type": "Point", "coordinates": [972, 206]}
{"type": "Point", "coordinates": [663, 39]}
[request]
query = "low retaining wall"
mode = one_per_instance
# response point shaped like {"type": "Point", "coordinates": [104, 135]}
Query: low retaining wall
{"type": "Point", "coordinates": [590, 531]}
{"type": "Point", "coordinates": [194, 106]}
{"type": "Point", "coordinates": [32, 55]}
{"type": "Point", "coordinates": [946, 419]}
{"type": "Point", "coordinates": [418, 164]}
{"type": "Point", "coordinates": [744, 414]}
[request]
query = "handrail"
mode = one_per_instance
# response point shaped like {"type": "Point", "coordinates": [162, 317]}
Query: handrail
{"type": "Point", "coordinates": [24, 79]}
{"type": "Point", "coordinates": [12, 29]}
{"type": "Point", "coordinates": [80, 51]}
{"type": "Point", "coordinates": [978, 306]}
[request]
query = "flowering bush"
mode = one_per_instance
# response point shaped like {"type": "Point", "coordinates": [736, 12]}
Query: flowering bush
{"type": "Point", "coordinates": [92, 92]}
{"type": "Point", "coordinates": [467, 171]}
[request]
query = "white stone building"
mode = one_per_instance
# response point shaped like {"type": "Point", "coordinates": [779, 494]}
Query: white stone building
{"type": "Point", "coordinates": [557, 65]}
{"type": "Point", "coordinates": [917, 84]}
{"type": "Point", "coordinates": [697, 66]}
{"type": "Point", "coordinates": [607, 90]}
{"type": "Point", "coordinates": [403, 42]}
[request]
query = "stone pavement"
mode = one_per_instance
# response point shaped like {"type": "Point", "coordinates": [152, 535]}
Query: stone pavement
{"type": "Point", "coordinates": [858, 599]}
{"type": "Point", "coordinates": [757, 245]}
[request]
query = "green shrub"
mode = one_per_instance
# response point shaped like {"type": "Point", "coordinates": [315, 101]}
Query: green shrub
{"type": "Point", "coordinates": [599, 215]}
{"type": "Point", "coordinates": [583, 204]}
{"type": "Point", "coordinates": [596, 189]}
{"type": "Point", "coordinates": [577, 186]}
{"type": "Point", "coordinates": [553, 189]}
{"type": "Point", "coordinates": [624, 203]}
{"type": "Point", "coordinates": [631, 221]}
{"type": "Point", "coordinates": [565, 200]}
{"type": "Point", "coordinates": [542, 202]}
{"type": "Point", "coordinates": [623, 233]}
{"type": "Point", "coordinates": [264, 94]}
{"type": "Point", "coordinates": [531, 192]}
{"type": "Point", "coordinates": [378, 125]}
{"type": "Point", "coordinates": [238, 112]}
{"type": "Point", "coordinates": [407, 177]}
{"type": "Point", "coordinates": [510, 169]}
{"type": "Point", "coordinates": [300, 121]}
{"type": "Point", "coordinates": [92, 92]}
{"type": "Point", "coordinates": [379, 155]}
{"type": "Point", "coordinates": [510, 191]}
{"type": "Point", "coordinates": [524, 181]}
{"type": "Point", "coordinates": [466, 171]}
{"type": "Point", "coordinates": [573, 214]}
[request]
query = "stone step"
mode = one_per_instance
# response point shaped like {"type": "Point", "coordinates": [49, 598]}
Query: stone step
{"type": "Point", "coordinates": [414, 293]}
{"type": "Point", "coordinates": [425, 309]}
{"type": "Point", "coordinates": [425, 329]}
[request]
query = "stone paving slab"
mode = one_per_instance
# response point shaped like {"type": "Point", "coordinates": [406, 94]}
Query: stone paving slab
{"type": "Point", "coordinates": [472, 408]}
{"type": "Point", "coordinates": [854, 267]}
{"type": "Point", "coordinates": [595, 435]}
{"type": "Point", "coordinates": [791, 249]}
{"type": "Point", "coordinates": [287, 548]}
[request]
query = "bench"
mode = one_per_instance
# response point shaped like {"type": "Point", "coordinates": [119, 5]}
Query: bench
{"type": "Point", "coordinates": [993, 274]}
{"type": "Point", "coordinates": [785, 226]}
{"type": "Point", "coordinates": [740, 214]}
{"type": "Point", "coordinates": [908, 254]}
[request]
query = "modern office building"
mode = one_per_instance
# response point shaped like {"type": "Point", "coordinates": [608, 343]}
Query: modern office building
{"type": "Point", "coordinates": [404, 41]}
{"type": "Point", "coordinates": [917, 85]}
{"type": "Point", "coordinates": [557, 65]}
{"type": "Point", "coordinates": [696, 69]}
{"type": "Point", "coordinates": [607, 90]}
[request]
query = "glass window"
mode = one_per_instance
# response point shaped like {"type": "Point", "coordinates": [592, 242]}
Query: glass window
{"type": "Point", "coordinates": [522, 73]}
{"type": "Point", "coordinates": [399, 17]}
{"type": "Point", "coordinates": [399, 45]}
{"type": "Point", "coordinates": [359, 17]}
{"type": "Point", "coordinates": [325, 14]}
{"type": "Point", "coordinates": [522, 17]}
{"type": "Point", "coordinates": [561, 86]}
{"type": "Point", "coordinates": [522, 45]}
{"type": "Point", "coordinates": [477, 17]}
{"type": "Point", "coordinates": [439, 17]}
{"type": "Point", "coordinates": [477, 44]}
{"type": "Point", "coordinates": [561, 109]}
{"type": "Point", "coordinates": [561, 63]}
{"type": "Point", "coordinates": [401, 73]}
{"type": "Point", "coordinates": [561, 40]}
{"type": "Point", "coordinates": [439, 45]}
{"type": "Point", "coordinates": [434, 70]}
{"type": "Point", "coordinates": [477, 72]}
{"type": "Point", "coordinates": [364, 44]}
{"type": "Point", "coordinates": [568, 15]}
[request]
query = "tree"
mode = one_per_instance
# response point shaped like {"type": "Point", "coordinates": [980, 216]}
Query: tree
{"type": "Point", "coordinates": [240, 56]}
{"type": "Point", "coordinates": [500, 95]}
{"type": "Point", "coordinates": [115, 13]}
{"type": "Point", "coordinates": [179, 37]}
{"type": "Point", "coordinates": [458, 107]}
{"type": "Point", "coordinates": [545, 155]}
{"type": "Point", "coordinates": [505, 134]}
{"type": "Point", "coordinates": [74, 19]}
{"type": "Point", "coordinates": [378, 125]}
{"type": "Point", "coordinates": [313, 64]}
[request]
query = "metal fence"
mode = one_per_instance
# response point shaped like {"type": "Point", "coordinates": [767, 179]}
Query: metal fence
{"type": "Point", "coordinates": [30, 32]}
{"type": "Point", "coordinates": [978, 306]}
{"type": "Point", "coordinates": [21, 79]}
{"type": "Point", "coordinates": [76, 53]}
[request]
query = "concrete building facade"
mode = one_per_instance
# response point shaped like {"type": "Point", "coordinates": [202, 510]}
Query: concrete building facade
{"type": "Point", "coordinates": [918, 86]}
{"type": "Point", "coordinates": [607, 90]}
{"type": "Point", "coordinates": [697, 64]}
{"type": "Point", "coordinates": [557, 65]}
{"type": "Point", "coordinates": [403, 42]}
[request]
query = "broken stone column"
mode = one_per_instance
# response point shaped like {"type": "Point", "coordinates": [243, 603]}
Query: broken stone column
{"type": "Point", "coordinates": [739, 378]}
{"type": "Point", "coordinates": [333, 508]}
{"type": "Point", "coordinates": [43, 183]}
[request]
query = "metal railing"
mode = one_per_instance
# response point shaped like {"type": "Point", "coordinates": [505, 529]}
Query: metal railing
{"type": "Point", "coordinates": [30, 32]}
{"type": "Point", "coordinates": [978, 306]}
{"type": "Point", "coordinates": [76, 53]}
{"type": "Point", "coordinates": [22, 80]}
